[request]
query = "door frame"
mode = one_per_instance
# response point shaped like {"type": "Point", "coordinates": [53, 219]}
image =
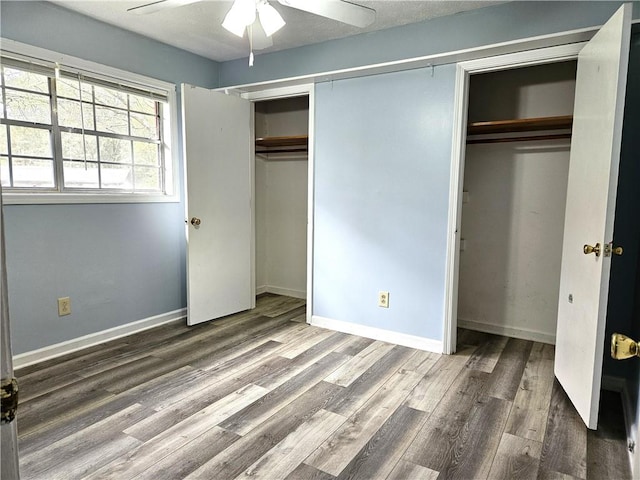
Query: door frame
{"type": "Point", "coordinates": [274, 93]}
{"type": "Point", "coordinates": [464, 70]}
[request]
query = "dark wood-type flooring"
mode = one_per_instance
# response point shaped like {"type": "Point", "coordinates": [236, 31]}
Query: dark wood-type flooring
{"type": "Point", "coordinates": [261, 394]}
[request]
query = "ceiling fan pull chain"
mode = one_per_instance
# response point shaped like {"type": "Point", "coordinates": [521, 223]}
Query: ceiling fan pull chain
{"type": "Point", "coordinates": [250, 28]}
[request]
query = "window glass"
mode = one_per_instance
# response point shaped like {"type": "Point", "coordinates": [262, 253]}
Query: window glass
{"type": "Point", "coordinates": [4, 172]}
{"type": "Point", "coordinates": [109, 97]}
{"type": "Point", "coordinates": [112, 120]}
{"type": "Point", "coordinates": [143, 126]}
{"type": "Point", "coordinates": [30, 141]}
{"type": "Point", "coordinates": [26, 80]}
{"type": "Point", "coordinates": [147, 178]}
{"type": "Point", "coordinates": [115, 150]}
{"type": "Point", "coordinates": [145, 153]}
{"type": "Point", "coordinates": [69, 114]}
{"type": "Point", "coordinates": [116, 176]}
{"type": "Point", "coordinates": [141, 104]}
{"type": "Point", "coordinates": [4, 146]}
{"type": "Point", "coordinates": [28, 107]}
{"type": "Point", "coordinates": [31, 172]}
{"type": "Point", "coordinates": [73, 148]}
{"type": "Point", "coordinates": [69, 88]}
{"type": "Point", "coordinates": [81, 175]}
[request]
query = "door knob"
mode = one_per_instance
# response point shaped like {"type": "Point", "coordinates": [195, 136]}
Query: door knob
{"type": "Point", "coordinates": [623, 347]}
{"type": "Point", "coordinates": [617, 250]}
{"type": "Point", "coordinates": [587, 249]}
{"type": "Point", "coordinates": [195, 221]}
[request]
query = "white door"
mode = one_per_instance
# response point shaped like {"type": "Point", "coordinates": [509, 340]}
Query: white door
{"type": "Point", "coordinates": [217, 155]}
{"type": "Point", "coordinates": [591, 198]}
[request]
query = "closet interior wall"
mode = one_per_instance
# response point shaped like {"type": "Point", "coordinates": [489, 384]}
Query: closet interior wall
{"type": "Point", "coordinates": [281, 200]}
{"type": "Point", "coordinates": [513, 208]}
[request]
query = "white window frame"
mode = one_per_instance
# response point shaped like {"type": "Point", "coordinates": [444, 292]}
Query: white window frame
{"type": "Point", "coordinates": [172, 184]}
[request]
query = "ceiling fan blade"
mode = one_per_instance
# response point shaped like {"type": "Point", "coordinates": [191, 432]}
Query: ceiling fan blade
{"type": "Point", "coordinates": [260, 39]}
{"type": "Point", "coordinates": [159, 5]}
{"type": "Point", "coordinates": [339, 10]}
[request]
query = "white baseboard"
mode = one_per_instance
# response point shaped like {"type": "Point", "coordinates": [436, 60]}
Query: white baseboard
{"type": "Point", "coordinates": [521, 333]}
{"type": "Point", "coordinates": [404, 339]}
{"type": "Point", "coordinates": [281, 291]}
{"type": "Point", "coordinates": [70, 346]}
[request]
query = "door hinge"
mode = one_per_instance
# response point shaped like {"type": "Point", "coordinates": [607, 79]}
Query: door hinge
{"type": "Point", "coordinates": [8, 399]}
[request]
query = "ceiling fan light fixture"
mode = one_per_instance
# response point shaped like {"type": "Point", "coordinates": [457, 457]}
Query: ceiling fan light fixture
{"type": "Point", "coordinates": [242, 14]}
{"type": "Point", "coordinates": [270, 19]}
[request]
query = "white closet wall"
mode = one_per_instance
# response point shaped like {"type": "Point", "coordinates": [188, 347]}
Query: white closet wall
{"type": "Point", "coordinates": [281, 201]}
{"type": "Point", "coordinates": [512, 222]}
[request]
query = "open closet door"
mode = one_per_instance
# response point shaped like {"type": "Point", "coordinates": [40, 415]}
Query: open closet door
{"type": "Point", "coordinates": [217, 155]}
{"type": "Point", "coordinates": [591, 198]}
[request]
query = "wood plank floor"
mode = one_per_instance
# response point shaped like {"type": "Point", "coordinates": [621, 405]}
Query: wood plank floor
{"type": "Point", "coordinates": [261, 394]}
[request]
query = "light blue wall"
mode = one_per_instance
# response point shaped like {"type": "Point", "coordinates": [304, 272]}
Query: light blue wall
{"type": "Point", "coordinates": [382, 160]}
{"type": "Point", "coordinates": [120, 262]}
{"type": "Point", "coordinates": [500, 23]}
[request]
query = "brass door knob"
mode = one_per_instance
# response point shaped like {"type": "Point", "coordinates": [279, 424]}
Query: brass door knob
{"type": "Point", "coordinates": [623, 347]}
{"type": "Point", "coordinates": [195, 221]}
{"type": "Point", "coordinates": [617, 250]}
{"type": "Point", "coordinates": [587, 249]}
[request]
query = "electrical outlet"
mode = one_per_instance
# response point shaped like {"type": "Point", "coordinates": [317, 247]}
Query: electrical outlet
{"type": "Point", "coordinates": [64, 306]}
{"type": "Point", "coordinates": [383, 299]}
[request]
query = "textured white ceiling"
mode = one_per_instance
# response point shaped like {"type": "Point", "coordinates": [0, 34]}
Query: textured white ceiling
{"type": "Point", "coordinates": [196, 27]}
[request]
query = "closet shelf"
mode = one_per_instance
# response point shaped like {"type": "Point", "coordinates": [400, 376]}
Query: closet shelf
{"type": "Point", "coordinates": [289, 141]}
{"type": "Point", "coordinates": [520, 125]}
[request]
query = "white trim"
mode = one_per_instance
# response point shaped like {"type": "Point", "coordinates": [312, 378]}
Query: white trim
{"type": "Point", "coordinates": [523, 333]}
{"type": "Point", "coordinates": [34, 198]}
{"type": "Point", "coordinates": [266, 93]}
{"type": "Point", "coordinates": [492, 50]}
{"type": "Point", "coordinates": [73, 345]}
{"type": "Point", "coordinates": [464, 70]}
{"type": "Point", "coordinates": [404, 339]}
{"type": "Point", "coordinates": [288, 292]}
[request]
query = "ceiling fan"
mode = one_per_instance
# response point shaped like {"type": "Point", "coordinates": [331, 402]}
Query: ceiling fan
{"type": "Point", "coordinates": [261, 20]}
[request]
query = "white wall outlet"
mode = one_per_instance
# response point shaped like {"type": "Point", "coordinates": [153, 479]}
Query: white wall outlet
{"type": "Point", "coordinates": [64, 306]}
{"type": "Point", "coordinates": [383, 299]}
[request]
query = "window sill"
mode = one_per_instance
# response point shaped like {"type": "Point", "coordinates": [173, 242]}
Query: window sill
{"type": "Point", "coordinates": [10, 198]}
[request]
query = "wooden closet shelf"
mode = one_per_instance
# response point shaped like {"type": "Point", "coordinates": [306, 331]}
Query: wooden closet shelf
{"type": "Point", "coordinates": [521, 125]}
{"type": "Point", "coordinates": [289, 141]}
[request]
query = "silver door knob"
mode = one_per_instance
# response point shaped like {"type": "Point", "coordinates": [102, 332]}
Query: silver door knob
{"type": "Point", "coordinates": [195, 221]}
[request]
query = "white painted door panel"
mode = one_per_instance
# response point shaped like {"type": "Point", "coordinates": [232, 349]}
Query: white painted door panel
{"type": "Point", "coordinates": [217, 154]}
{"type": "Point", "coordinates": [590, 208]}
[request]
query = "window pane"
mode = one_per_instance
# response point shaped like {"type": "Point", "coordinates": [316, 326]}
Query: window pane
{"type": "Point", "coordinates": [115, 150]}
{"type": "Point", "coordinates": [143, 126]}
{"type": "Point", "coordinates": [25, 80]}
{"type": "Point", "coordinates": [141, 104]}
{"type": "Point", "coordinates": [79, 175]}
{"type": "Point", "coordinates": [29, 172]}
{"type": "Point", "coordinates": [112, 98]}
{"type": "Point", "coordinates": [72, 147]}
{"type": "Point", "coordinates": [67, 87]}
{"type": "Point", "coordinates": [69, 114]}
{"type": "Point", "coordinates": [30, 141]}
{"type": "Point", "coordinates": [28, 107]}
{"type": "Point", "coordinates": [4, 172]}
{"type": "Point", "coordinates": [147, 178]}
{"type": "Point", "coordinates": [3, 140]}
{"type": "Point", "coordinates": [111, 120]}
{"type": "Point", "coordinates": [145, 154]}
{"type": "Point", "coordinates": [116, 176]}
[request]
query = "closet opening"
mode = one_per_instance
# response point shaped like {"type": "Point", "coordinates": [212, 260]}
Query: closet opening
{"type": "Point", "coordinates": [513, 203]}
{"type": "Point", "coordinates": [281, 192]}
